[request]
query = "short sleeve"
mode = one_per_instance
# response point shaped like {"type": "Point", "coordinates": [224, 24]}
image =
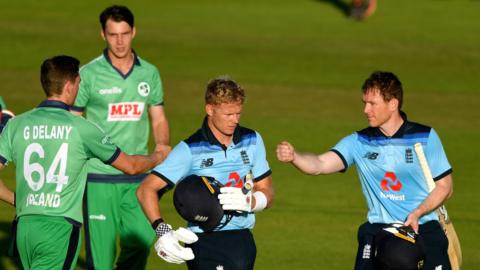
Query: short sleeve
{"type": "Point", "coordinates": [436, 157]}
{"type": "Point", "coordinates": [157, 90]}
{"type": "Point", "coordinates": [5, 145]}
{"type": "Point", "coordinates": [344, 149]}
{"type": "Point", "coordinates": [98, 144]}
{"type": "Point", "coordinates": [176, 166]}
{"type": "Point", "coordinates": [260, 167]}
{"type": "Point", "coordinates": [83, 92]}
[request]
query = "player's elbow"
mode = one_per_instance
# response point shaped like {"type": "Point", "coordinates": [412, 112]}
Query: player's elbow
{"type": "Point", "coordinates": [140, 192]}
{"type": "Point", "coordinates": [450, 192]}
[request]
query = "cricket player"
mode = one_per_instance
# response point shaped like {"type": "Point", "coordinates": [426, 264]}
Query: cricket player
{"type": "Point", "coordinates": [50, 148]}
{"type": "Point", "coordinates": [120, 92]}
{"type": "Point", "coordinates": [389, 171]}
{"type": "Point", "coordinates": [6, 194]}
{"type": "Point", "coordinates": [227, 152]}
{"type": "Point", "coordinates": [5, 115]}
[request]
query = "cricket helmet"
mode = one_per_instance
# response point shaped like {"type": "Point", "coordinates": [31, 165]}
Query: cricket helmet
{"type": "Point", "coordinates": [398, 247]}
{"type": "Point", "coordinates": [195, 198]}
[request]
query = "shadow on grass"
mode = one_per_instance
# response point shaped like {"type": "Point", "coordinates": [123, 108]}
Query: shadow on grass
{"type": "Point", "coordinates": [5, 242]}
{"type": "Point", "coordinates": [343, 6]}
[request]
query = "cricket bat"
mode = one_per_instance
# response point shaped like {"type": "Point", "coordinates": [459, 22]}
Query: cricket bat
{"type": "Point", "coordinates": [454, 249]}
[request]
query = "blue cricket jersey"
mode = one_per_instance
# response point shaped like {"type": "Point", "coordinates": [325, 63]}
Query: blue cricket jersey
{"type": "Point", "coordinates": [202, 154]}
{"type": "Point", "coordinates": [389, 171]}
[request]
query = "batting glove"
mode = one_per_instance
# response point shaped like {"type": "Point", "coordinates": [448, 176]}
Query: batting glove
{"type": "Point", "coordinates": [168, 244]}
{"type": "Point", "coordinates": [232, 198]}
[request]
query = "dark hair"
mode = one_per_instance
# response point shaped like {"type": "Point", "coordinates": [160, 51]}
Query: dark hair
{"type": "Point", "coordinates": [56, 71]}
{"type": "Point", "coordinates": [387, 84]}
{"type": "Point", "coordinates": [117, 14]}
{"type": "Point", "coordinates": [224, 90]}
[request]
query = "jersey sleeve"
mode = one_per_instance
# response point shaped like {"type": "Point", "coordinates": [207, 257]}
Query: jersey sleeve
{"type": "Point", "coordinates": [436, 157]}
{"type": "Point", "coordinates": [98, 144]}
{"type": "Point", "coordinates": [260, 168]}
{"type": "Point", "coordinates": [176, 166]}
{"type": "Point", "coordinates": [344, 150]}
{"type": "Point", "coordinates": [83, 92]}
{"type": "Point", "coordinates": [157, 90]}
{"type": "Point", "coordinates": [5, 145]}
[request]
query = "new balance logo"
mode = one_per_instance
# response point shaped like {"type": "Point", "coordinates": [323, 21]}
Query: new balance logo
{"type": "Point", "coordinates": [371, 155]}
{"type": "Point", "coordinates": [208, 162]}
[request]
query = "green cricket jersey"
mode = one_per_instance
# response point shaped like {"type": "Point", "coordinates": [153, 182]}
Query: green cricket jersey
{"type": "Point", "coordinates": [50, 147]}
{"type": "Point", "coordinates": [119, 104]}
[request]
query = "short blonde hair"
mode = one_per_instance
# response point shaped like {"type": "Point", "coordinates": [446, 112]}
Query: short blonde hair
{"type": "Point", "coordinates": [224, 90]}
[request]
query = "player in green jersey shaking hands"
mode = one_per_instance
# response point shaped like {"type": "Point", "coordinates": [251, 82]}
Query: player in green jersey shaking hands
{"type": "Point", "coordinates": [50, 148]}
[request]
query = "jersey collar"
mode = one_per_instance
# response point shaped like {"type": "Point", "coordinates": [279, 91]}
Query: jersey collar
{"type": "Point", "coordinates": [208, 135]}
{"type": "Point", "coordinates": [54, 104]}
{"type": "Point", "coordinates": [136, 62]}
{"type": "Point", "coordinates": [400, 132]}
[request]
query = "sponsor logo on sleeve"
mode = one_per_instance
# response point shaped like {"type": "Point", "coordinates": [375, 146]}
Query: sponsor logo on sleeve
{"type": "Point", "coordinates": [125, 111]}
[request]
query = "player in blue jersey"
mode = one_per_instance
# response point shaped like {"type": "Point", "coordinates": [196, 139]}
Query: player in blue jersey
{"type": "Point", "coordinates": [389, 171]}
{"type": "Point", "coordinates": [227, 152]}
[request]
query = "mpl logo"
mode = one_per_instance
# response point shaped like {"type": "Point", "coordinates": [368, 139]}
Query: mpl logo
{"type": "Point", "coordinates": [125, 111]}
{"type": "Point", "coordinates": [390, 182]}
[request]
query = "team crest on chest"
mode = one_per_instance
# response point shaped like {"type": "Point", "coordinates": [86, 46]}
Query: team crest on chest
{"type": "Point", "coordinates": [143, 89]}
{"type": "Point", "coordinates": [408, 155]}
{"type": "Point", "coordinates": [244, 156]}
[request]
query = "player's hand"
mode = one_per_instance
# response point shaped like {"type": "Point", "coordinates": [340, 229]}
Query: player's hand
{"type": "Point", "coordinates": [412, 221]}
{"type": "Point", "coordinates": [168, 244]}
{"type": "Point", "coordinates": [233, 198]}
{"type": "Point", "coordinates": [285, 152]}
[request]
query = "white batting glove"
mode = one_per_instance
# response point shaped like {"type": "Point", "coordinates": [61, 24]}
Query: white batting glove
{"type": "Point", "coordinates": [168, 244]}
{"type": "Point", "coordinates": [232, 198]}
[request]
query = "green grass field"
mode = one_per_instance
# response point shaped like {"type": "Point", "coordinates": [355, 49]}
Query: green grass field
{"type": "Point", "coordinates": [302, 63]}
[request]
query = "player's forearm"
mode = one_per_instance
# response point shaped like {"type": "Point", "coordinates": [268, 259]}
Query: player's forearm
{"type": "Point", "coordinates": [136, 164]}
{"type": "Point", "coordinates": [307, 163]}
{"type": "Point", "coordinates": [141, 164]}
{"type": "Point", "coordinates": [435, 199]}
{"type": "Point", "coordinates": [161, 132]}
{"type": "Point", "coordinates": [6, 194]}
{"type": "Point", "coordinates": [149, 201]}
{"type": "Point", "coordinates": [266, 187]}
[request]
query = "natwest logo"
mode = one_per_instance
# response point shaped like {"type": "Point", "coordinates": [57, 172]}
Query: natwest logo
{"type": "Point", "coordinates": [390, 182]}
{"type": "Point", "coordinates": [125, 111]}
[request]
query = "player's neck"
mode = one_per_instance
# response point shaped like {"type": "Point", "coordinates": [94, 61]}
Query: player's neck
{"type": "Point", "coordinates": [392, 125]}
{"type": "Point", "coordinates": [221, 137]}
{"type": "Point", "coordinates": [61, 98]}
{"type": "Point", "coordinates": [123, 64]}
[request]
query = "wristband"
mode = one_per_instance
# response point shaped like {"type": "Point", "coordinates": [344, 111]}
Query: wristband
{"type": "Point", "coordinates": [260, 201]}
{"type": "Point", "coordinates": [156, 223]}
{"type": "Point", "coordinates": [162, 229]}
